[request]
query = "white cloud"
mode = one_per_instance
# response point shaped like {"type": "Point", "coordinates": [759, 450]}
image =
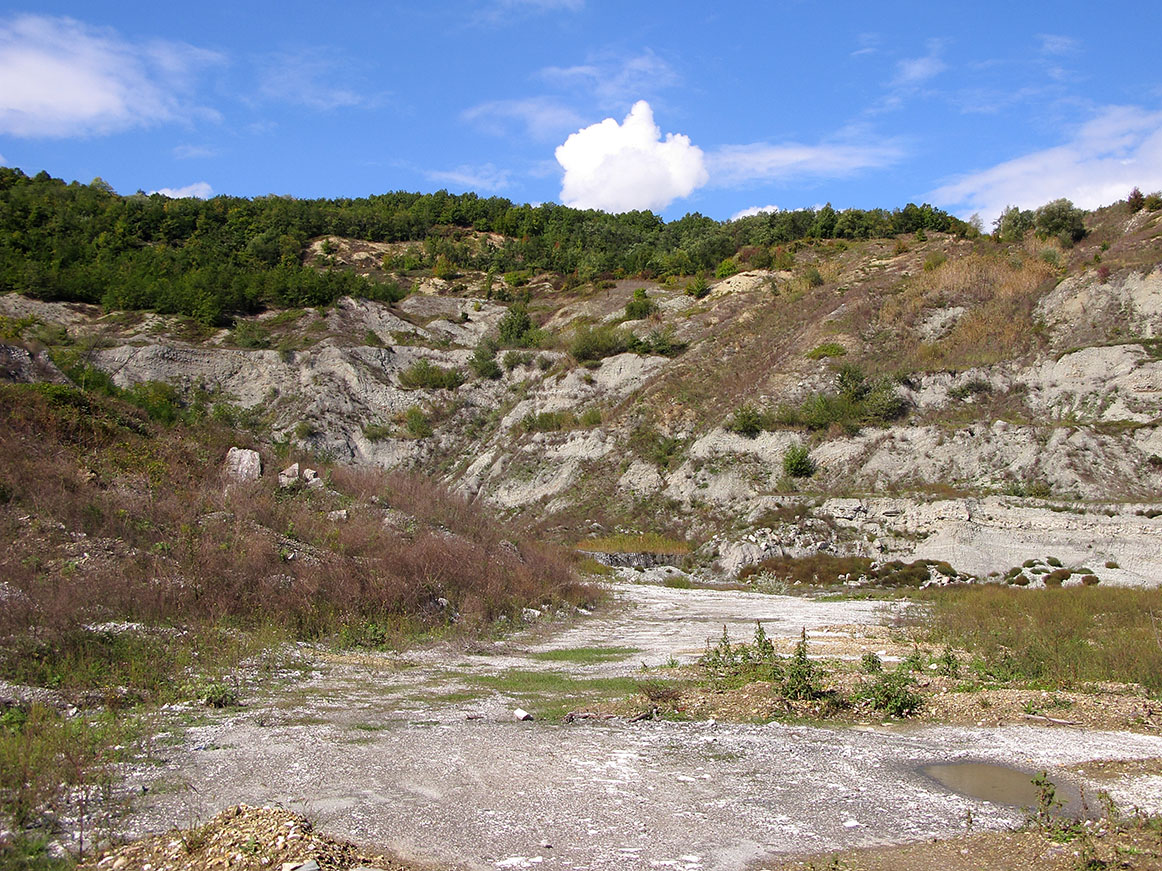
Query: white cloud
{"type": "Point", "coordinates": [1119, 148]}
{"type": "Point", "coordinates": [754, 210]}
{"type": "Point", "coordinates": [623, 167]}
{"type": "Point", "coordinates": [199, 189]}
{"type": "Point", "coordinates": [60, 77]}
{"type": "Point", "coordinates": [543, 118]}
{"type": "Point", "coordinates": [1052, 43]}
{"type": "Point", "coordinates": [473, 178]}
{"type": "Point", "coordinates": [615, 80]}
{"type": "Point", "coordinates": [738, 164]}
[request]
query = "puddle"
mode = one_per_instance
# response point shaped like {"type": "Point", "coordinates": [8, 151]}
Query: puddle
{"type": "Point", "coordinates": [1000, 784]}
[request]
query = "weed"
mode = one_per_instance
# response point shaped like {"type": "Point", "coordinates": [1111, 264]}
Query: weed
{"type": "Point", "coordinates": [892, 694]}
{"type": "Point", "coordinates": [425, 375]}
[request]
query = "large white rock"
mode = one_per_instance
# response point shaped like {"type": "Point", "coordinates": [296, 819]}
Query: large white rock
{"type": "Point", "coordinates": [243, 464]}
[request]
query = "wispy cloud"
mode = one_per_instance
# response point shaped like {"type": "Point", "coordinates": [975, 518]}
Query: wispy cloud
{"type": "Point", "coordinates": [199, 189]}
{"type": "Point", "coordinates": [915, 71]}
{"type": "Point", "coordinates": [60, 77]}
{"type": "Point", "coordinates": [542, 118]}
{"type": "Point", "coordinates": [761, 161]}
{"type": "Point", "coordinates": [499, 12]}
{"type": "Point", "coordinates": [1055, 44]}
{"type": "Point", "coordinates": [616, 80]}
{"type": "Point", "coordinates": [317, 78]}
{"type": "Point", "coordinates": [192, 152]}
{"type": "Point", "coordinates": [1120, 147]}
{"type": "Point", "coordinates": [474, 178]}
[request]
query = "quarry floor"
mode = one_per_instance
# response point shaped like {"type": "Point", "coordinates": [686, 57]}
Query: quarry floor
{"type": "Point", "coordinates": [405, 753]}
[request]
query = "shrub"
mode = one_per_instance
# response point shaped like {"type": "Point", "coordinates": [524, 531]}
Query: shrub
{"type": "Point", "coordinates": [640, 307]}
{"type": "Point", "coordinates": [425, 375]}
{"type": "Point", "coordinates": [1153, 202]}
{"type": "Point", "coordinates": [746, 421]}
{"type": "Point", "coordinates": [1135, 200]}
{"type": "Point", "coordinates": [698, 288]}
{"type": "Point", "coordinates": [726, 268]}
{"type": "Point", "coordinates": [483, 361]}
{"type": "Point", "coordinates": [870, 663]}
{"type": "Point", "coordinates": [516, 329]}
{"type": "Point", "coordinates": [590, 417]}
{"type": "Point", "coordinates": [548, 421]}
{"type": "Point", "coordinates": [803, 680]}
{"type": "Point", "coordinates": [797, 462]}
{"type": "Point", "coordinates": [417, 423]}
{"type": "Point", "coordinates": [812, 277]}
{"type": "Point", "coordinates": [513, 359]}
{"type": "Point", "coordinates": [597, 343]}
{"type": "Point", "coordinates": [1013, 224]}
{"type": "Point", "coordinates": [934, 261]}
{"type": "Point", "coordinates": [892, 694]}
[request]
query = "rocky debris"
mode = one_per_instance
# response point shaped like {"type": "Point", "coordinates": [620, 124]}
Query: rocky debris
{"type": "Point", "coordinates": [338, 516]}
{"type": "Point", "coordinates": [244, 838]}
{"type": "Point", "coordinates": [23, 367]}
{"type": "Point", "coordinates": [243, 464]}
{"type": "Point", "coordinates": [632, 560]}
{"type": "Point", "coordinates": [312, 479]}
{"type": "Point", "coordinates": [289, 476]}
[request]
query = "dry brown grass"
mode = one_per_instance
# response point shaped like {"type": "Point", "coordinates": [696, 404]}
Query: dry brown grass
{"type": "Point", "coordinates": [999, 291]}
{"type": "Point", "coordinates": [109, 518]}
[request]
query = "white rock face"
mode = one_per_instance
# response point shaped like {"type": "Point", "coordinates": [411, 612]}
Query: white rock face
{"type": "Point", "coordinates": [243, 464]}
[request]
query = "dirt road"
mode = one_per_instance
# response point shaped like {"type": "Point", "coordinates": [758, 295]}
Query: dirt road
{"type": "Point", "coordinates": [422, 755]}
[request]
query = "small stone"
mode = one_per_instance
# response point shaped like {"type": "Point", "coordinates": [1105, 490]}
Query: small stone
{"type": "Point", "coordinates": [851, 824]}
{"type": "Point", "coordinates": [337, 516]}
{"type": "Point", "coordinates": [521, 714]}
{"type": "Point", "coordinates": [316, 484]}
{"type": "Point", "coordinates": [310, 475]}
{"type": "Point", "coordinates": [289, 476]}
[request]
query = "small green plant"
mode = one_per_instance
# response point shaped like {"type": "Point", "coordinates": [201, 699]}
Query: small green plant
{"type": "Point", "coordinates": [726, 268]}
{"type": "Point", "coordinates": [802, 682]}
{"type": "Point", "coordinates": [947, 664]}
{"type": "Point", "coordinates": [870, 663]}
{"type": "Point", "coordinates": [797, 462]}
{"type": "Point", "coordinates": [827, 349]}
{"type": "Point", "coordinates": [934, 261]}
{"type": "Point", "coordinates": [483, 361]}
{"type": "Point", "coordinates": [699, 287]}
{"type": "Point", "coordinates": [416, 423]}
{"type": "Point", "coordinates": [892, 694]}
{"type": "Point", "coordinates": [425, 375]}
{"type": "Point", "coordinates": [220, 695]}
{"type": "Point", "coordinates": [746, 421]}
{"type": "Point", "coordinates": [640, 307]}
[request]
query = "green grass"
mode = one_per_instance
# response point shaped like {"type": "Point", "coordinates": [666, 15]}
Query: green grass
{"type": "Point", "coordinates": [552, 694]}
{"type": "Point", "coordinates": [585, 655]}
{"type": "Point", "coordinates": [1056, 637]}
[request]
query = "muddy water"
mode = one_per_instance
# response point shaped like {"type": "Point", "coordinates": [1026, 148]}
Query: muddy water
{"type": "Point", "coordinates": [1000, 784]}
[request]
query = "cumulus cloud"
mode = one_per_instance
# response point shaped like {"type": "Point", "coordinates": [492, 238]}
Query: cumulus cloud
{"type": "Point", "coordinates": [60, 77]}
{"type": "Point", "coordinates": [200, 190]}
{"type": "Point", "coordinates": [1119, 148]}
{"type": "Point", "coordinates": [754, 210]}
{"type": "Point", "coordinates": [627, 166]}
{"type": "Point", "coordinates": [543, 118]}
{"type": "Point", "coordinates": [739, 164]}
{"type": "Point", "coordinates": [473, 178]}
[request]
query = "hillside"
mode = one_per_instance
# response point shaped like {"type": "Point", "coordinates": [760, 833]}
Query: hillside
{"type": "Point", "coordinates": [958, 397]}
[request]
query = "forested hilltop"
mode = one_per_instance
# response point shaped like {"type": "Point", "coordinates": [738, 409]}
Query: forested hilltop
{"type": "Point", "coordinates": [217, 258]}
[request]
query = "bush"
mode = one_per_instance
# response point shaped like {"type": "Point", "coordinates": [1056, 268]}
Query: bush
{"type": "Point", "coordinates": [1013, 224]}
{"type": "Point", "coordinates": [417, 423]}
{"type": "Point", "coordinates": [484, 360]}
{"type": "Point", "coordinates": [797, 462]}
{"type": "Point", "coordinates": [698, 288]}
{"type": "Point", "coordinates": [516, 328]}
{"type": "Point", "coordinates": [1135, 200]}
{"type": "Point", "coordinates": [892, 694]}
{"type": "Point", "coordinates": [870, 663]}
{"type": "Point", "coordinates": [548, 421]}
{"type": "Point", "coordinates": [726, 268]}
{"type": "Point", "coordinates": [746, 421]}
{"type": "Point", "coordinates": [1061, 219]}
{"type": "Point", "coordinates": [597, 343]}
{"type": "Point", "coordinates": [424, 375]}
{"type": "Point", "coordinates": [1153, 202]}
{"type": "Point", "coordinates": [803, 680]}
{"type": "Point", "coordinates": [640, 307]}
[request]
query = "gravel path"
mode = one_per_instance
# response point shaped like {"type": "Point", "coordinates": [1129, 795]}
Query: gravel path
{"type": "Point", "coordinates": [362, 749]}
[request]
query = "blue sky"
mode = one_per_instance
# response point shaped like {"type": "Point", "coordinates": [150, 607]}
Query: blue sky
{"type": "Point", "coordinates": [679, 107]}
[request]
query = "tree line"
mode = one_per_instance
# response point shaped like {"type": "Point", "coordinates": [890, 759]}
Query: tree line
{"type": "Point", "coordinates": [216, 258]}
